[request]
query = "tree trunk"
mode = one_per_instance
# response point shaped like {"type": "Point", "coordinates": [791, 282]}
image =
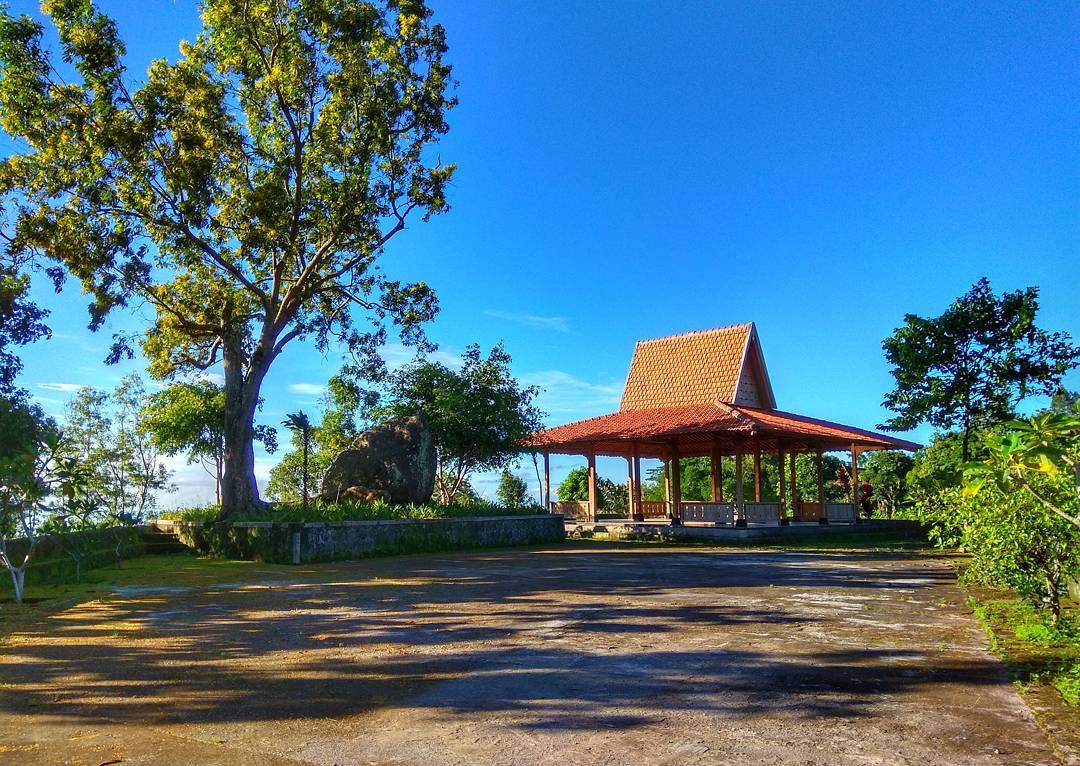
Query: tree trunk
{"type": "Point", "coordinates": [239, 490]}
{"type": "Point", "coordinates": [18, 577]}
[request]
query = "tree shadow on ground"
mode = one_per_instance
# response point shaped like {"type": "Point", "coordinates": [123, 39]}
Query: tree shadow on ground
{"type": "Point", "coordinates": [561, 639]}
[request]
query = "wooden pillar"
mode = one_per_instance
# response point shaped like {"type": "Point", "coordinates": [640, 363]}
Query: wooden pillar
{"type": "Point", "coordinates": [716, 461]}
{"type": "Point", "coordinates": [780, 489]}
{"type": "Point", "coordinates": [794, 485]}
{"type": "Point", "coordinates": [636, 500]}
{"type": "Point", "coordinates": [667, 480]}
{"type": "Point", "coordinates": [676, 485]}
{"type": "Point", "coordinates": [547, 481]}
{"type": "Point", "coordinates": [757, 476]}
{"type": "Point", "coordinates": [855, 481]}
{"type": "Point", "coordinates": [740, 515]}
{"type": "Point", "coordinates": [629, 487]}
{"type": "Point", "coordinates": [821, 484]}
{"type": "Point", "coordinates": [593, 508]}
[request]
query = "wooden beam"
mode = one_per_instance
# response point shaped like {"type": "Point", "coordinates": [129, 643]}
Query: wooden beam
{"type": "Point", "coordinates": [676, 485]}
{"type": "Point", "coordinates": [780, 472]}
{"type": "Point", "coordinates": [794, 486]}
{"type": "Point", "coordinates": [757, 476]}
{"type": "Point", "coordinates": [593, 508]}
{"type": "Point", "coordinates": [636, 509]}
{"type": "Point", "coordinates": [739, 512]}
{"type": "Point", "coordinates": [716, 461]}
{"type": "Point", "coordinates": [547, 481]}
{"type": "Point", "coordinates": [821, 482]}
{"type": "Point", "coordinates": [855, 481]}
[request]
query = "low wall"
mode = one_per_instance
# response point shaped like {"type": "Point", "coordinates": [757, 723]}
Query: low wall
{"type": "Point", "coordinates": [304, 543]}
{"type": "Point", "coordinates": [52, 561]}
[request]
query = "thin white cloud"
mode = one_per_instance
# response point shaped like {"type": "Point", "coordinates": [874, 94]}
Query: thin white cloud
{"type": "Point", "coordinates": [397, 355]}
{"type": "Point", "coordinates": [563, 394]}
{"type": "Point", "coordinates": [307, 389]}
{"type": "Point", "coordinates": [556, 324]}
{"type": "Point", "coordinates": [65, 387]}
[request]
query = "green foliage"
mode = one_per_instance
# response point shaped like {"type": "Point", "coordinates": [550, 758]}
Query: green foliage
{"type": "Point", "coordinates": [1040, 652]}
{"type": "Point", "coordinates": [695, 478]}
{"type": "Point", "coordinates": [611, 497]}
{"type": "Point", "coordinates": [1039, 457]}
{"type": "Point", "coordinates": [244, 190]}
{"type": "Point", "coordinates": [345, 404]}
{"type": "Point", "coordinates": [479, 415]}
{"type": "Point", "coordinates": [886, 471]}
{"type": "Point", "coordinates": [513, 492]}
{"type": "Point", "coordinates": [303, 436]}
{"type": "Point", "coordinates": [190, 418]}
{"type": "Point", "coordinates": [105, 432]}
{"type": "Point", "coordinates": [1012, 542]}
{"type": "Point", "coordinates": [969, 367]}
{"type": "Point", "coordinates": [21, 322]}
{"type": "Point", "coordinates": [1067, 682]}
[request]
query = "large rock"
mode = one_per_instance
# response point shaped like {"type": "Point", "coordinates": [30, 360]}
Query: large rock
{"type": "Point", "coordinates": [395, 461]}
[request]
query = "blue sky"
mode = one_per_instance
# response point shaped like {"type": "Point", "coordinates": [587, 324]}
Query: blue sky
{"type": "Point", "coordinates": [641, 169]}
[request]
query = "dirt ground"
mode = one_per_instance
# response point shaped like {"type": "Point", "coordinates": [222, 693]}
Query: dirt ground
{"type": "Point", "coordinates": [570, 655]}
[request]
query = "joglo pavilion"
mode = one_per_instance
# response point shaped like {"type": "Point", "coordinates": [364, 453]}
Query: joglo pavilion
{"type": "Point", "coordinates": [708, 393]}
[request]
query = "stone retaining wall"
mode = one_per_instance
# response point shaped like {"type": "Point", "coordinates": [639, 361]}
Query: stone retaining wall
{"type": "Point", "coordinates": [304, 543]}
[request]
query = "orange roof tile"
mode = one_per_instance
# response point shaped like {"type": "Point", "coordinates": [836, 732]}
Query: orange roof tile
{"type": "Point", "coordinates": [695, 427]}
{"type": "Point", "coordinates": [693, 368]}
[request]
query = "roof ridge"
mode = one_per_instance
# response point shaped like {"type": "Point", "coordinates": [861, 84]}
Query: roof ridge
{"type": "Point", "coordinates": [712, 331]}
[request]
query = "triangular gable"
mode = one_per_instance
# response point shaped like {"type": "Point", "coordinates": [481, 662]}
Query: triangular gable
{"type": "Point", "coordinates": [720, 365]}
{"type": "Point", "coordinates": [753, 387]}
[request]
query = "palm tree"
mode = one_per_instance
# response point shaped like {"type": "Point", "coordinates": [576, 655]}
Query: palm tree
{"type": "Point", "coordinates": [300, 424]}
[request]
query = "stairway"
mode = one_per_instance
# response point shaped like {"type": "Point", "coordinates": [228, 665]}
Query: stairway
{"type": "Point", "coordinates": [156, 541]}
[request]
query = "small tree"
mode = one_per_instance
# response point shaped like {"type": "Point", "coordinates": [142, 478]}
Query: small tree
{"type": "Point", "coordinates": [303, 436]}
{"type": "Point", "coordinates": [479, 415]}
{"type": "Point", "coordinates": [29, 454]}
{"type": "Point", "coordinates": [969, 367]}
{"type": "Point", "coordinates": [886, 471]}
{"type": "Point", "coordinates": [116, 450]}
{"type": "Point", "coordinates": [513, 492]}
{"type": "Point", "coordinates": [190, 418]}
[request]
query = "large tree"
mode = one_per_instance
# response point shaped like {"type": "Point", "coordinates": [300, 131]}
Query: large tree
{"type": "Point", "coordinates": [244, 192]}
{"type": "Point", "coordinates": [190, 417]}
{"type": "Point", "coordinates": [969, 367]}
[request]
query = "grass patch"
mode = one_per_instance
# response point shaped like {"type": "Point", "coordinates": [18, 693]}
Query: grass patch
{"type": "Point", "coordinates": [1039, 653]}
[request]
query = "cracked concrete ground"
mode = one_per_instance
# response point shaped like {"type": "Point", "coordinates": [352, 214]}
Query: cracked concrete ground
{"type": "Point", "coordinates": [574, 654]}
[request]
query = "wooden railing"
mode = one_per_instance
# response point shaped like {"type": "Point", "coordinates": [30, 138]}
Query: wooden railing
{"type": "Point", "coordinates": [572, 509]}
{"type": "Point", "coordinates": [654, 509]}
{"type": "Point", "coordinates": [843, 513]}
{"type": "Point", "coordinates": [761, 513]}
{"type": "Point", "coordinates": [809, 511]}
{"type": "Point", "coordinates": [707, 513]}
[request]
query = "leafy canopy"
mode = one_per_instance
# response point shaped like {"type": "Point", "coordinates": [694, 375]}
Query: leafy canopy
{"type": "Point", "coordinates": [479, 415]}
{"type": "Point", "coordinates": [245, 191]}
{"type": "Point", "coordinates": [969, 367]}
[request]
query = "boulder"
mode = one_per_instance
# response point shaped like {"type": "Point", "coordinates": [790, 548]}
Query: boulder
{"type": "Point", "coordinates": [394, 461]}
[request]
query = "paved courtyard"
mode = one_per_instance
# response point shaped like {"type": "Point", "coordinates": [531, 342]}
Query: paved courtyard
{"type": "Point", "coordinates": [590, 654]}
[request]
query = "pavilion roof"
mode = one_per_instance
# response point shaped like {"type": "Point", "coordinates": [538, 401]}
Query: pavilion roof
{"type": "Point", "coordinates": [694, 428]}
{"type": "Point", "coordinates": [724, 364]}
